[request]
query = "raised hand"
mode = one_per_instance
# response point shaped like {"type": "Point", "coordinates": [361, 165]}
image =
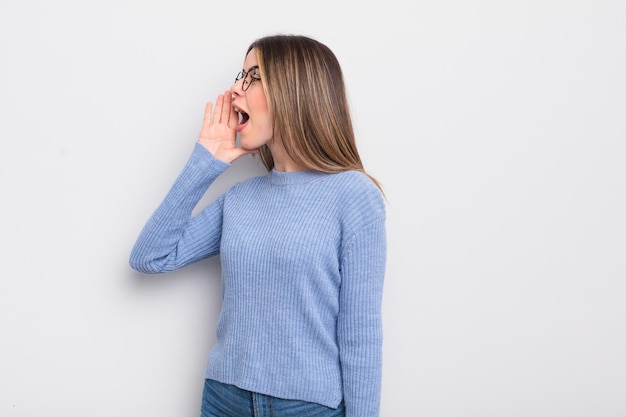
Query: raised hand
{"type": "Point", "coordinates": [218, 133]}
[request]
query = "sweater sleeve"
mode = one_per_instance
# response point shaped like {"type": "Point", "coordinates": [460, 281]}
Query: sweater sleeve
{"type": "Point", "coordinates": [360, 322]}
{"type": "Point", "coordinates": [172, 238]}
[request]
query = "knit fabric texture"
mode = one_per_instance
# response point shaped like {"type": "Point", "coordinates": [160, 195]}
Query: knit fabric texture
{"type": "Point", "coordinates": [303, 262]}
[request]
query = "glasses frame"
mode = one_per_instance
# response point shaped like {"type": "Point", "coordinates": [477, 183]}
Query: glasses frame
{"type": "Point", "coordinates": [243, 74]}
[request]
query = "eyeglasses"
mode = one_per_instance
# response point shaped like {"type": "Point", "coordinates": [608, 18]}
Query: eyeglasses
{"type": "Point", "coordinates": [248, 77]}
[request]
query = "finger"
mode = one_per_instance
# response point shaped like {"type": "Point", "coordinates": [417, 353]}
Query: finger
{"type": "Point", "coordinates": [233, 116]}
{"type": "Point", "coordinates": [206, 122]}
{"type": "Point", "coordinates": [208, 110]}
{"type": "Point", "coordinates": [217, 114]}
{"type": "Point", "coordinates": [227, 108]}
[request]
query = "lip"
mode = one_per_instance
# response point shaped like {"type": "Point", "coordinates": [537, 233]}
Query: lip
{"type": "Point", "coordinates": [241, 126]}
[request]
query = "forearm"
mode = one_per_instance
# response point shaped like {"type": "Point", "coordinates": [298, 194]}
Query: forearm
{"type": "Point", "coordinates": [170, 238]}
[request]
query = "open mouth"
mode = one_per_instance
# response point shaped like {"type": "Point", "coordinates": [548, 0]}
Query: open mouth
{"type": "Point", "coordinates": [243, 118]}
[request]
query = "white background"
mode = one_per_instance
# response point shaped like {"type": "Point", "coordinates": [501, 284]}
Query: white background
{"type": "Point", "coordinates": [496, 127]}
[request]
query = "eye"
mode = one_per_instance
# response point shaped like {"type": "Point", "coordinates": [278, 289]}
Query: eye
{"type": "Point", "coordinates": [254, 72]}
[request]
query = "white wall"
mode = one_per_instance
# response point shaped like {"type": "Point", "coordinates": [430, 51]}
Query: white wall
{"type": "Point", "coordinates": [496, 127]}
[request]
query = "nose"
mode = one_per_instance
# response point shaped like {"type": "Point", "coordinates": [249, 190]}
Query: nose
{"type": "Point", "coordinates": [236, 89]}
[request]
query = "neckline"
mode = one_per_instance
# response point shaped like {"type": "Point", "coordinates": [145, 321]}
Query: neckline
{"type": "Point", "coordinates": [294, 177]}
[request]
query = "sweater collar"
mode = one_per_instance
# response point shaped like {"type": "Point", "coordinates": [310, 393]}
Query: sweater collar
{"type": "Point", "coordinates": [297, 177]}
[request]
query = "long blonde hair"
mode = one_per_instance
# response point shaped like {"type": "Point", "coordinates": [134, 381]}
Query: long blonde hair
{"type": "Point", "coordinates": [304, 86]}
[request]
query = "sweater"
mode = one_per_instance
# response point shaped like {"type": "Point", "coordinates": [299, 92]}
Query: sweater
{"type": "Point", "coordinates": [303, 260]}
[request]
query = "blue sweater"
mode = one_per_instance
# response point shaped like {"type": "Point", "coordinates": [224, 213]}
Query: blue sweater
{"type": "Point", "coordinates": [303, 261]}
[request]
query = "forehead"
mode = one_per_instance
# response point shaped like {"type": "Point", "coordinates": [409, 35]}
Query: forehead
{"type": "Point", "coordinates": [251, 60]}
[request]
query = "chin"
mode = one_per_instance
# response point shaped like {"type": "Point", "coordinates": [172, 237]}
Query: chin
{"type": "Point", "coordinates": [250, 145]}
{"type": "Point", "coordinates": [245, 144]}
{"type": "Point", "coordinates": [252, 142]}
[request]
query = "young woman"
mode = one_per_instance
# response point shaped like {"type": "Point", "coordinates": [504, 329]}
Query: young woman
{"type": "Point", "coordinates": [302, 248]}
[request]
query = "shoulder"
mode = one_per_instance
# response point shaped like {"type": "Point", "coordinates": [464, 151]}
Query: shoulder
{"type": "Point", "coordinates": [358, 189]}
{"type": "Point", "coordinates": [361, 201]}
{"type": "Point", "coordinates": [358, 180]}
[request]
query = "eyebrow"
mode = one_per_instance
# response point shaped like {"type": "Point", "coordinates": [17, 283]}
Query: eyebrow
{"type": "Point", "coordinates": [251, 68]}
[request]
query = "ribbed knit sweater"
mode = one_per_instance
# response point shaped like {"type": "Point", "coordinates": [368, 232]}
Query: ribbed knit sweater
{"type": "Point", "coordinates": [303, 262]}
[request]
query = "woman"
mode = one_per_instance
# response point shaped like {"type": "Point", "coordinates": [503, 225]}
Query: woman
{"type": "Point", "coordinates": [302, 248]}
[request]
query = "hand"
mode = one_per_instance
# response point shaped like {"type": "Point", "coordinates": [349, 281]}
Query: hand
{"type": "Point", "coordinates": [218, 134]}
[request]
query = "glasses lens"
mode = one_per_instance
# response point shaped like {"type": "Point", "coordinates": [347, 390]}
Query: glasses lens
{"type": "Point", "coordinates": [246, 81]}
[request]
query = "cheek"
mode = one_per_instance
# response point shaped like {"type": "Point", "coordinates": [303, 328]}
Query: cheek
{"type": "Point", "coordinates": [258, 102]}
{"type": "Point", "coordinates": [262, 116]}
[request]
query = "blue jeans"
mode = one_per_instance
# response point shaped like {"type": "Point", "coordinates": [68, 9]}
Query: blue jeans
{"type": "Point", "coordinates": [222, 400]}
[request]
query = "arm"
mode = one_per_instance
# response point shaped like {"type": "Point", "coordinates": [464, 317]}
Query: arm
{"type": "Point", "coordinates": [360, 322]}
{"type": "Point", "coordinates": [172, 239]}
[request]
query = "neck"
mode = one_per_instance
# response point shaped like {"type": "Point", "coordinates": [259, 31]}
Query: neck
{"type": "Point", "coordinates": [282, 161]}
{"type": "Point", "coordinates": [286, 166]}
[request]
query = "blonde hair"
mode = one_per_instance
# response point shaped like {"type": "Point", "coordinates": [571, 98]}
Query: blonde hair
{"type": "Point", "coordinates": [304, 86]}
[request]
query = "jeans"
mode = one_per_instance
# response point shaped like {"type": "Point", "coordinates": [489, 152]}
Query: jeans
{"type": "Point", "coordinates": [222, 400]}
